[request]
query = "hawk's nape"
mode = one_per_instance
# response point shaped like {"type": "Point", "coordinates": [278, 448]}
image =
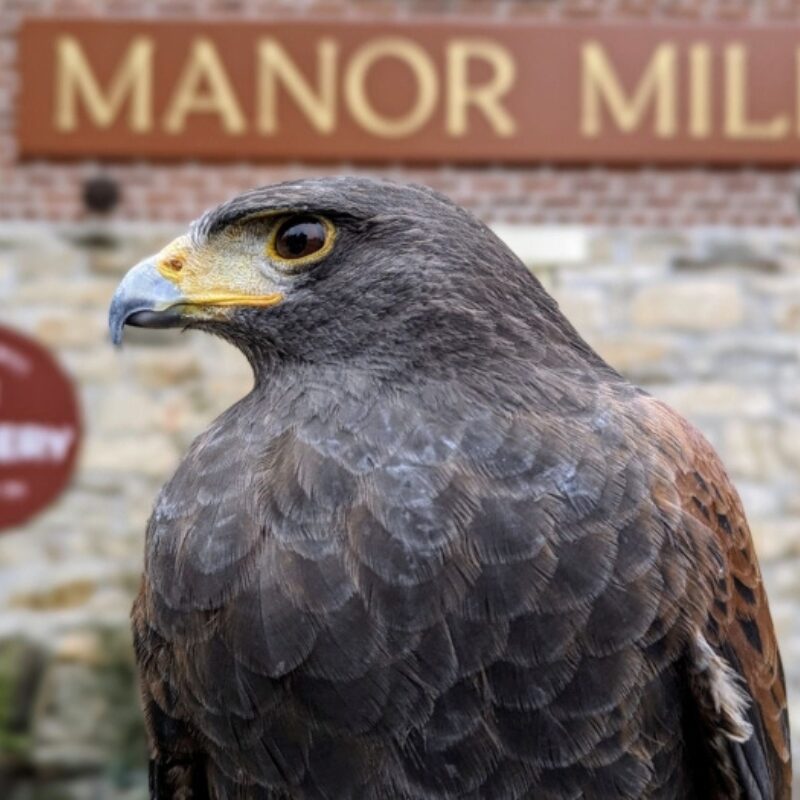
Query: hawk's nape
{"type": "Point", "coordinates": [441, 550]}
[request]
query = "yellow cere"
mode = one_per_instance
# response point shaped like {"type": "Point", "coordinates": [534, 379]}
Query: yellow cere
{"type": "Point", "coordinates": [215, 276]}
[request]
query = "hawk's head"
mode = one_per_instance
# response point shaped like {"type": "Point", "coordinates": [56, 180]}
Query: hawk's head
{"type": "Point", "coordinates": [343, 268]}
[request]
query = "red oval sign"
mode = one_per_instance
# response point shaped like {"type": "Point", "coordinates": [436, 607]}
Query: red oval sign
{"type": "Point", "coordinates": [39, 428]}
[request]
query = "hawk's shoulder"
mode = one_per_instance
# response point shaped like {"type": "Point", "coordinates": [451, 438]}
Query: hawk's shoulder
{"type": "Point", "coordinates": [736, 621]}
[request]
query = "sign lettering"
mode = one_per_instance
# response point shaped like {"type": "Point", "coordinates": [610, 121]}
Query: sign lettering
{"type": "Point", "coordinates": [410, 91]}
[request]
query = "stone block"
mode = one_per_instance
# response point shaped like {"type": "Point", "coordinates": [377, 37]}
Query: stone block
{"type": "Point", "coordinates": [760, 500]}
{"type": "Point", "coordinates": [147, 454]}
{"type": "Point", "coordinates": [78, 294]}
{"type": "Point", "coordinates": [789, 441]}
{"type": "Point", "coordinates": [43, 260]}
{"type": "Point", "coordinates": [60, 329]}
{"type": "Point", "coordinates": [586, 308]}
{"type": "Point", "coordinates": [787, 314]}
{"type": "Point", "coordinates": [689, 305]}
{"type": "Point", "coordinates": [601, 246]}
{"type": "Point", "coordinates": [716, 399]}
{"type": "Point", "coordinates": [79, 647]}
{"type": "Point", "coordinates": [111, 259]}
{"type": "Point", "coordinates": [94, 366]}
{"type": "Point", "coordinates": [64, 595]}
{"type": "Point", "coordinates": [638, 357]}
{"type": "Point", "coordinates": [776, 538]}
{"type": "Point", "coordinates": [788, 387]}
{"type": "Point", "coordinates": [182, 415]}
{"type": "Point", "coordinates": [157, 368]}
{"type": "Point", "coordinates": [658, 247]}
{"type": "Point", "coordinates": [750, 449]}
{"type": "Point", "coordinates": [537, 244]}
{"type": "Point", "coordinates": [123, 408]}
{"type": "Point", "coordinates": [779, 286]}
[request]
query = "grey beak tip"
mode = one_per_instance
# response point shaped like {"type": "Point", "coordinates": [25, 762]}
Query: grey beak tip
{"type": "Point", "coordinates": [140, 293]}
{"type": "Point", "coordinates": [116, 321]}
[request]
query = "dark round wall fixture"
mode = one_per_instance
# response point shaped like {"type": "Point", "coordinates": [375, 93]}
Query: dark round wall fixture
{"type": "Point", "coordinates": [100, 194]}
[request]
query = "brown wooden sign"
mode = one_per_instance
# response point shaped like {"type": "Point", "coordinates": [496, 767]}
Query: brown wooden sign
{"type": "Point", "coordinates": [419, 91]}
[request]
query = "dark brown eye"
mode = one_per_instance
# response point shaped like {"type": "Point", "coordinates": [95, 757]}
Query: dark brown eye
{"type": "Point", "coordinates": [299, 237]}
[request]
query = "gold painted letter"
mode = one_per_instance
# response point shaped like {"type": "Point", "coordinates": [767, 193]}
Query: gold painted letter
{"type": "Point", "coordinates": [355, 88]}
{"type": "Point", "coordinates": [275, 67]}
{"type": "Point", "coordinates": [797, 89]}
{"type": "Point", "coordinates": [203, 66]}
{"type": "Point", "coordinates": [657, 86]}
{"type": "Point", "coordinates": [737, 125]}
{"type": "Point", "coordinates": [700, 102]}
{"type": "Point", "coordinates": [487, 96]}
{"type": "Point", "coordinates": [133, 79]}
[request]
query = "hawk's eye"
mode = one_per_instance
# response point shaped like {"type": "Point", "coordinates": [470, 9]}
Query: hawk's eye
{"type": "Point", "coordinates": [299, 237]}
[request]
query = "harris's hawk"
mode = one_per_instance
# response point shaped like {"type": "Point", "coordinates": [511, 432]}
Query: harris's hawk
{"type": "Point", "coordinates": [441, 550]}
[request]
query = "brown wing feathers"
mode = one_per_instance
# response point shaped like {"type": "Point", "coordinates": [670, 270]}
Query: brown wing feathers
{"type": "Point", "coordinates": [738, 623]}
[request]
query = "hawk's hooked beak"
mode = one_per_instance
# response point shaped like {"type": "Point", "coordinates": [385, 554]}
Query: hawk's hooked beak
{"type": "Point", "coordinates": [180, 285]}
{"type": "Point", "coordinates": [144, 299]}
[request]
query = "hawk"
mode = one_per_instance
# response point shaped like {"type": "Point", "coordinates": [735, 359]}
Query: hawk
{"type": "Point", "coordinates": [441, 549]}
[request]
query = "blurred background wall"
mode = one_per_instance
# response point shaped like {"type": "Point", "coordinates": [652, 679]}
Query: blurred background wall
{"type": "Point", "coordinates": [685, 279]}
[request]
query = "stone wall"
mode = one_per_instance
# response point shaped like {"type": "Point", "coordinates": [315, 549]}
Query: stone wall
{"type": "Point", "coordinates": [706, 319]}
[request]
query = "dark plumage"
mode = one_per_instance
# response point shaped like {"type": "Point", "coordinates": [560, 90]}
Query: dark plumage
{"type": "Point", "coordinates": [441, 550]}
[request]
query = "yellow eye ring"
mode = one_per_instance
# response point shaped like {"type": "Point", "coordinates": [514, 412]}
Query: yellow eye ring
{"type": "Point", "coordinates": [301, 239]}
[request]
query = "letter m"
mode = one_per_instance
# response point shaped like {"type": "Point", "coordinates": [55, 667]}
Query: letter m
{"type": "Point", "coordinates": [657, 87]}
{"type": "Point", "coordinates": [132, 81]}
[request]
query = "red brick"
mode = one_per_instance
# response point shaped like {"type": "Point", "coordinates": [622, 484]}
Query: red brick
{"type": "Point", "coordinates": [734, 10]}
{"type": "Point", "coordinates": [783, 10]}
{"type": "Point", "coordinates": [582, 8]}
{"type": "Point", "coordinates": [636, 8]}
{"type": "Point", "coordinates": [682, 9]}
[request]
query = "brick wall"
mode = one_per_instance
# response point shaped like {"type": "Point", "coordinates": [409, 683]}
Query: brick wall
{"type": "Point", "coordinates": [540, 194]}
